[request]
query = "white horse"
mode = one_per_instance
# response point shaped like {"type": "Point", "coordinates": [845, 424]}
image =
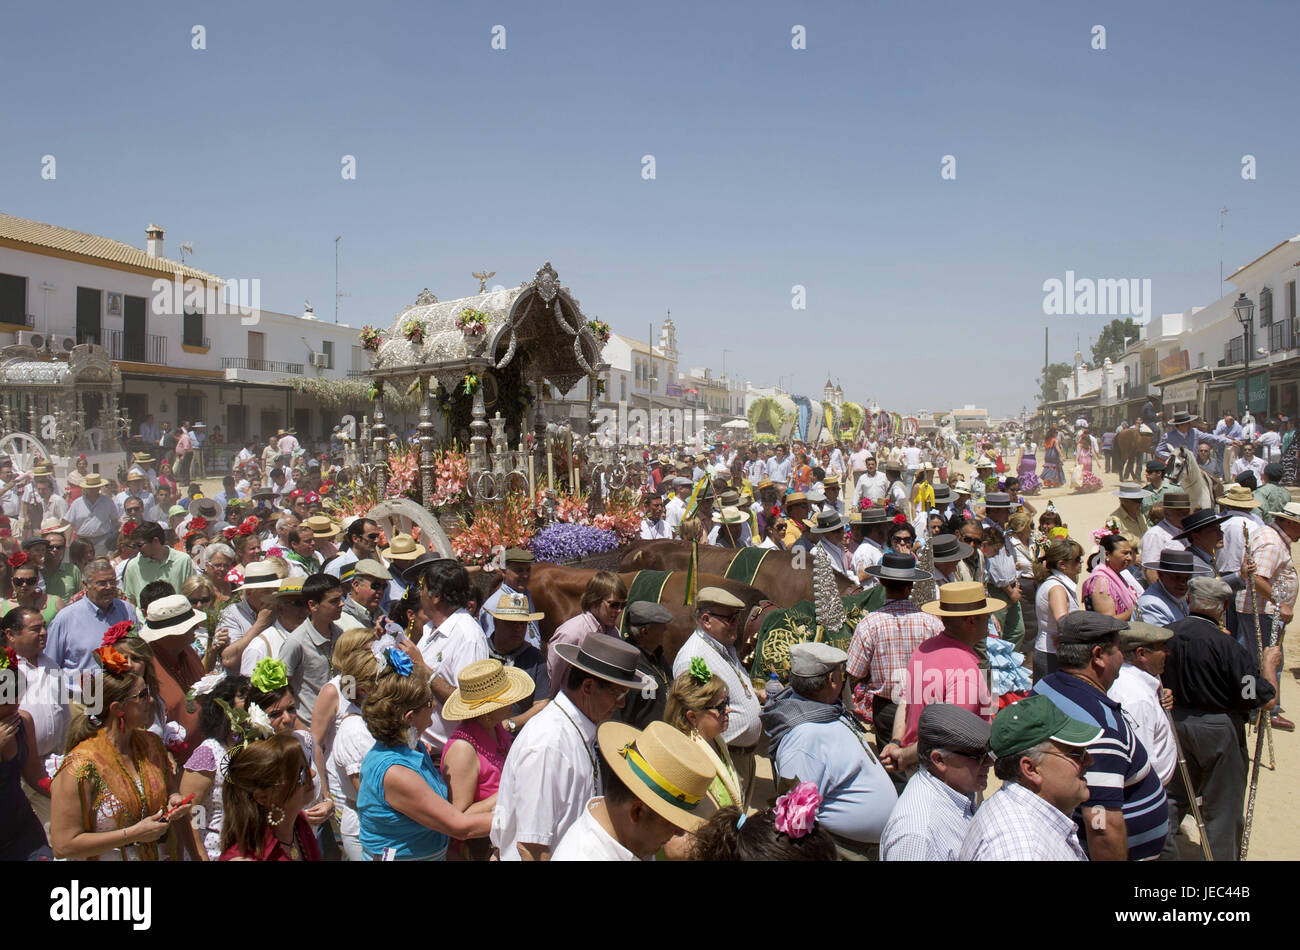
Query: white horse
{"type": "Point", "coordinates": [1182, 470]}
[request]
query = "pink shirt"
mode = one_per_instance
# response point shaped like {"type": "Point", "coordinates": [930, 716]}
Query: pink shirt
{"type": "Point", "coordinates": [573, 630]}
{"type": "Point", "coordinates": [944, 670]}
{"type": "Point", "coordinates": [491, 758]}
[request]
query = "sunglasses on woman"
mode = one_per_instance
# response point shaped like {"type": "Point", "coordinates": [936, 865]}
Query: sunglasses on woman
{"type": "Point", "coordinates": [24, 581]}
{"type": "Point", "coordinates": [200, 601]}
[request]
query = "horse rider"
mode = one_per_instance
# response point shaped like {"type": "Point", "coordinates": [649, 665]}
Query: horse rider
{"type": "Point", "coordinates": [1183, 434]}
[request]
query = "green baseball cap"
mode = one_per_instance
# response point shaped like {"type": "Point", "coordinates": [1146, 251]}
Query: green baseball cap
{"type": "Point", "coordinates": [1036, 719]}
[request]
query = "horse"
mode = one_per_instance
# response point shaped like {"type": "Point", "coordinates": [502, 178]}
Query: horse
{"type": "Point", "coordinates": [1130, 449]}
{"type": "Point", "coordinates": [1182, 470]}
{"type": "Point", "coordinates": [783, 578]}
{"type": "Point", "coordinates": [557, 592]}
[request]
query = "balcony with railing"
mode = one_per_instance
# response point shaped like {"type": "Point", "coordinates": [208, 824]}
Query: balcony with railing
{"type": "Point", "coordinates": [261, 366]}
{"type": "Point", "coordinates": [130, 347]}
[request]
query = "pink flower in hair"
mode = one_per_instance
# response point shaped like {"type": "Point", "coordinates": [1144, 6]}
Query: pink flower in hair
{"type": "Point", "coordinates": [795, 812]}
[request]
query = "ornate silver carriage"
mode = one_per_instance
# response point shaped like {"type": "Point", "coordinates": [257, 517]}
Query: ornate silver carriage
{"type": "Point", "coordinates": [55, 406]}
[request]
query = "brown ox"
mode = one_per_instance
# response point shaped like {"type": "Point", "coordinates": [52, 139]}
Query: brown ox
{"type": "Point", "coordinates": [557, 592]}
{"type": "Point", "coordinates": [777, 577]}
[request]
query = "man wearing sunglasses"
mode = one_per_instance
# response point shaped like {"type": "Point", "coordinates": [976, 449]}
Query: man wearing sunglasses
{"type": "Point", "coordinates": [1041, 756]}
{"type": "Point", "coordinates": [1125, 816]}
{"type": "Point", "coordinates": [935, 810]}
{"type": "Point", "coordinates": [362, 541]}
{"type": "Point", "coordinates": [61, 580]}
{"type": "Point", "coordinates": [361, 606]}
{"type": "Point", "coordinates": [155, 562]}
{"type": "Point", "coordinates": [719, 616]}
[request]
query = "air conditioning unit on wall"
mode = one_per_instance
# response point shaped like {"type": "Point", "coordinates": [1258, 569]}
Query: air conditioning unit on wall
{"type": "Point", "coordinates": [34, 340]}
{"type": "Point", "coordinates": [320, 361]}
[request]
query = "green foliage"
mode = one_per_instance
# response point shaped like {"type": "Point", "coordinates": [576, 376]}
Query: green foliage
{"type": "Point", "coordinates": [1055, 371]}
{"type": "Point", "coordinates": [1110, 344]}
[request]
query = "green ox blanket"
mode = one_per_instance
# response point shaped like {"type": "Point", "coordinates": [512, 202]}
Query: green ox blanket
{"type": "Point", "coordinates": [782, 629]}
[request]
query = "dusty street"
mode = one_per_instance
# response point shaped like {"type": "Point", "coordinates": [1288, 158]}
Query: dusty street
{"type": "Point", "coordinates": [1275, 835]}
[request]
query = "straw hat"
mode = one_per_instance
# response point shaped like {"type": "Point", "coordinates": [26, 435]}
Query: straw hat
{"type": "Point", "coordinates": [963, 599]}
{"type": "Point", "coordinates": [322, 529]}
{"type": "Point", "coordinates": [290, 588]}
{"type": "Point", "coordinates": [403, 547]}
{"type": "Point", "coordinates": [170, 616]}
{"type": "Point", "coordinates": [94, 480]}
{"type": "Point", "coordinates": [41, 470]}
{"type": "Point", "coordinates": [732, 515]}
{"type": "Point", "coordinates": [486, 686]}
{"type": "Point", "coordinates": [663, 768]}
{"type": "Point", "coordinates": [1237, 496]}
{"type": "Point", "coordinates": [515, 607]}
{"type": "Point", "coordinates": [50, 525]}
{"type": "Point", "coordinates": [1291, 512]}
{"type": "Point", "coordinates": [260, 575]}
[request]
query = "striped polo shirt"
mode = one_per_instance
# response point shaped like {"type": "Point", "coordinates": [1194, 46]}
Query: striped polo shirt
{"type": "Point", "coordinates": [1121, 776]}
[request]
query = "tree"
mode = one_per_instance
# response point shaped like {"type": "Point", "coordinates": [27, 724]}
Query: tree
{"type": "Point", "coordinates": [1055, 371]}
{"type": "Point", "coordinates": [1110, 344]}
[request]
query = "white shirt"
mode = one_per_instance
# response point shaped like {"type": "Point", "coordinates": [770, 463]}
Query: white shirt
{"type": "Point", "coordinates": [929, 823]}
{"type": "Point", "coordinates": [865, 555]}
{"type": "Point", "coordinates": [46, 701]}
{"type": "Point", "coordinates": [673, 513]}
{"type": "Point", "coordinates": [1046, 641]}
{"type": "Point", "coordinates": [587, 840]}
{"type": "Point", "coordinates": [1255, 465]}
{"type": "Point", "coordinates": [1017, 825]}
{"type": "Point", "coordinates": [352, 740]}
{"type": "Point", "coordinates": [447, 649]}
{"type": "Point", "coordinates": [912, 456]}
{"type": "Point", "coordinates": [1159, 538]}
{"type": "Point", "coordinates": [874, 486]}
{"type": "Point", "coordinates": [655, 530]}
{"type": "Point", "coordinates": [267, 644]}
{"type": "Point", "coordinates": [552, 771]}
{"type": "Point", "coordinates": [743, 728]}
{"type": "Point", "coordinates": [1138, 692]}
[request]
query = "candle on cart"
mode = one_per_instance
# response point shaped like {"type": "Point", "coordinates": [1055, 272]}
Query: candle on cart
{"type": "Point", "coordinates": [532, 489]}
{"type": "Point", "coordinates": [550, 466]}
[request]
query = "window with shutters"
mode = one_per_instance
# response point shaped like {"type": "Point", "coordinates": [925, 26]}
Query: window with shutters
{"type": "Point", "coordinates": [13, 300]}
{"type": "Point", "coordinates": [1265, 306]}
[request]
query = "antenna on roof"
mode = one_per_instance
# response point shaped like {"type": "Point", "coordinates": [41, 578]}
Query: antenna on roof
{"type": "Point", "coordinates": [338, 294]}
{"type": "Point", "coordinates": [187, 248]}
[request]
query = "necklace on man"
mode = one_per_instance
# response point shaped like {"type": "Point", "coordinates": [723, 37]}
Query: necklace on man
{"type": "Point", "coordinates": [595, 769]}
{"type": "Point", "coordinates": [744, 677]}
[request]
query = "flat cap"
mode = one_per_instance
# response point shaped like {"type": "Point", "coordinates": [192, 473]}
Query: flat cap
{"type": "Point", "coordinates": [1155, 465]}
{"type": "Point", "coordinates": [945, 726]}
{"type": "Point", "coordinates": [717, 597]}
{"type": "Point", "coordinates": [1209, 588]}
{"type": "Point", "coordinates": [1177, 499]}
{"type": "Point", "coordinates": [1141, 634]}
{"type": "Point", "coordinates": [369, 567]}
{"type": "Point", "coordinates": [814, 659]}
{"type": "Point", "coordinates": [519, 556]}
{"type": "Point", "coordinates": [1086, 626]}
{"type": "Point", "coordinates": [680, 482]}
{"type": "Point", "coordinates": [642, 612]}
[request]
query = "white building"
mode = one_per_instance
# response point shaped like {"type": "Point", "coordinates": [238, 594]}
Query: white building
{"type": "Point", "coordinates": [167, 326]}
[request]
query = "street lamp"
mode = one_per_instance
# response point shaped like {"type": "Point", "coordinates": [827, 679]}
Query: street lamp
{"type": "Point", "coordinates": [1244, 310]}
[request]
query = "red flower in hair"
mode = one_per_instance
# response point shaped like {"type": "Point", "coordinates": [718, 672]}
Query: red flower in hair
{"type": "Point", "coordinates": [198, 523]}
{"type": "Point", "coordinates": [235, 575]}
{"type": "Point", "coordinates": [248, 525]}
{"type": "Point", "coordinates": [900, 519]}
{"type": "Point", "coordinates": [228, 533]}
{"type": "Point", "coordinates": [8, 659]}
{"type": "Point", "coordinates": [119, 631]}
{"type": "Point", "coordinates": [6, 533]}
{"type": "Point", "coordinates": [129, 528]}
{"type": "Point", "coordinates": [17, 559]}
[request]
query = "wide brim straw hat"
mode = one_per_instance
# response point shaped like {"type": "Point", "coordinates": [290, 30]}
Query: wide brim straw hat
{"type": "Point", "coordinates": [169, 617]}
{"type": "Point", "coordinates": [963, 599]}
{"type": "Point", "coordinates": [663, 768]}
{"type": "Point", "coordinates": [1238, 496]}
{"type": "Point", "coordinates": [484, 687]}
{"type": "Point", "coordinates": [93, 480]}
{"type": "Point", "coordinates": [403, 547]}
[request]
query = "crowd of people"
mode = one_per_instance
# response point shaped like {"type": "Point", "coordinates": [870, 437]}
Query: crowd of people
{"type": "Point", "coordinates": [243, 677]}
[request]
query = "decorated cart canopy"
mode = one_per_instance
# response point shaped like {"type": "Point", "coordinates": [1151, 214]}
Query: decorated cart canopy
{"type": "Point", "coordinates": [489, 355]}
{"type": "Point", "coordinates": [53, 406]}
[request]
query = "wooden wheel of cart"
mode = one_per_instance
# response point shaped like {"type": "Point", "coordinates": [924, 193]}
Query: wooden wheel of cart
{"type": "Point", "coordinates": [25, 450]}
{"type": "Point", "coordinates": [399, 515]}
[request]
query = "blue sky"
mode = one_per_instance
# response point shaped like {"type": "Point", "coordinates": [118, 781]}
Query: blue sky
{"type": "Point", "coordinates": [774, 167]}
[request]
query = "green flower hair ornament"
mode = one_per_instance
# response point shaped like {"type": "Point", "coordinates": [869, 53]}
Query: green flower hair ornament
{"type": "Point", "coordinates": [269, 675]}
{"type": "Point", "coordinates": [700, 671]}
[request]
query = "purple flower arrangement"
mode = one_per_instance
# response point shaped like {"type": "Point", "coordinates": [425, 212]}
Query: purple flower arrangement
{"type": "Point", "coordinates": [564, 542]}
